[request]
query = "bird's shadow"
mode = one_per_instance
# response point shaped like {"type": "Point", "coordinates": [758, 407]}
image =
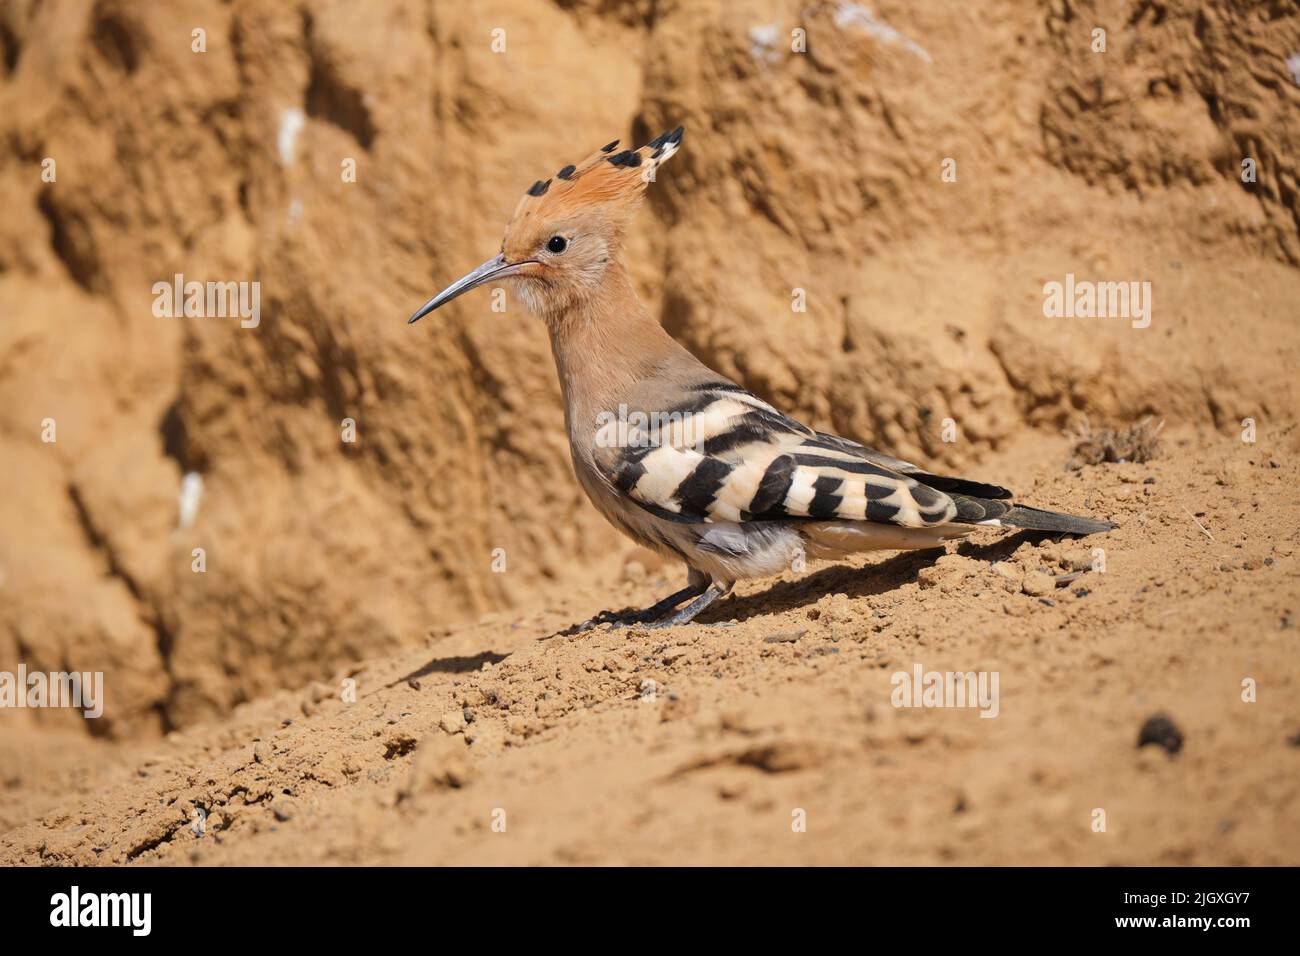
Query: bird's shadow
{"type": "Point", "coordinates": [880, 578]}
{"type": "Point", "coordinates": [451, 665]}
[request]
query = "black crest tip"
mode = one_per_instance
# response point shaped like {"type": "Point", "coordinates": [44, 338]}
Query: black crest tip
{"type": "Point", "coordinates": [620, 159]}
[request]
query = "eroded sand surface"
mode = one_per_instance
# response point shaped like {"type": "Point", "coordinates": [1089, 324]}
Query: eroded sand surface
{"type": "Point", "coordinates": [781, 702]}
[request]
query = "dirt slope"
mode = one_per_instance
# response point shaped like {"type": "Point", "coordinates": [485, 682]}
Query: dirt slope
{"type": "Point", "coordinates": [703, 744]}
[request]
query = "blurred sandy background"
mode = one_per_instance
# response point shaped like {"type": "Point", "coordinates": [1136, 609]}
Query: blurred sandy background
{"type": "Point", "coordinates": [817, 170]}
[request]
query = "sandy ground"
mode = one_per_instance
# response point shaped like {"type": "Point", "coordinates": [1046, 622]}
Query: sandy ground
{"type": "Point", "coordinates": [766, 733]}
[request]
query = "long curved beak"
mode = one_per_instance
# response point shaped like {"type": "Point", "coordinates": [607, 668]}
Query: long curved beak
{"type": "Point", "coordinates": [494, 268]}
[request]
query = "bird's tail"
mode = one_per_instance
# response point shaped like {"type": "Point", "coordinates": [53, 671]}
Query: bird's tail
{"type": "Point", "coordinates": [1036, 519]}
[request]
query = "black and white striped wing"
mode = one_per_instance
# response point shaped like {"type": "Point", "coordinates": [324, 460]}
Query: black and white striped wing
{"type": "Point", "coordinates": [726, 455]}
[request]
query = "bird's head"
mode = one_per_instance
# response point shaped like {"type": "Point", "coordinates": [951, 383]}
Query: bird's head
{"type": "Point", "coordinates": [567, 229]}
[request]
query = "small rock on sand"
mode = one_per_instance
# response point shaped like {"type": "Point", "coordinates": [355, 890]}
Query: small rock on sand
{"type": "Point", "coordinates": [1160, 730]}
{"type": "Point", "coordinates": [1038, 583]}
{"type": "Point", "coordinates": [439, 762]}
{"type": "Point", "coordinates": [453, 721]}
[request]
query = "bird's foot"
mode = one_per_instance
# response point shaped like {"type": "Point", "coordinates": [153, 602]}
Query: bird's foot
{"type": "Point", "coordinates": [650, 616]}
{"type": "Point", "coordinates": [618, 619]}
{"type": "Point", "coordinates": [665, 613]}
{"type": "Point", "coordinates": [689, 612]}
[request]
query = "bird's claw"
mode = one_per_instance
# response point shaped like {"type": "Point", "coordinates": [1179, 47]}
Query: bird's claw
{"type": "Point", "coordinates": [618, 619]}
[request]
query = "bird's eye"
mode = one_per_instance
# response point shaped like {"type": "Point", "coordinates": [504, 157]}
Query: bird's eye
{"type": "Point", "coordinates": [557, 244]}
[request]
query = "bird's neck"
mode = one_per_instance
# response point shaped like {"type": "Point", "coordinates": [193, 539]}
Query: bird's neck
{"type": "Point", "coordinates": [604, 346]}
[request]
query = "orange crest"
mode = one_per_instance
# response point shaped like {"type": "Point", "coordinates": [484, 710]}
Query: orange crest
{"type": "Point", "coordinates": [609, 182]}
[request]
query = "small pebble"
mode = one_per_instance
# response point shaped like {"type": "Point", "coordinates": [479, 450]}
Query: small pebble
{"type": "Point", "coordinates": [785, 637]}
{"type": "Point", "coordinates": [1038, 583]}
{"type": "Point", "coordinates": [453, 721]}
{"type": "Point", "coordinates": [1160, 730]}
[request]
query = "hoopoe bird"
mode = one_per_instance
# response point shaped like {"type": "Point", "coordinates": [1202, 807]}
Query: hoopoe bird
{"type": "Point", "coordinates": [681, 459]}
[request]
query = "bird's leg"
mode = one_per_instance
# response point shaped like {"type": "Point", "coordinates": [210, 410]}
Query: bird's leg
{"type": "Point", "coordinates": [657, 610]}
{"type": "Point", "coordinates": [697, 584]}
{"type": "Point", "coordinates": [688, 613]}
